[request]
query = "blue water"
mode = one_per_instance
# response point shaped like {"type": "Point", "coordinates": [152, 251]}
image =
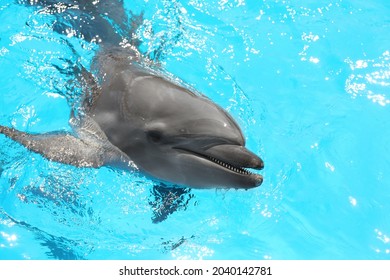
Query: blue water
{"type": "Point", "coordinates": [309, 83]}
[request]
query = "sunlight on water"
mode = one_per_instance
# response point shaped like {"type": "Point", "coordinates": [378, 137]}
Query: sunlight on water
{"type": "Point", "coordinates": [370, 78]}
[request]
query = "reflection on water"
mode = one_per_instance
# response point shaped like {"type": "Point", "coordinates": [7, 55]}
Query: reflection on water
{"type": "Point", "coordinates": [370, 78]}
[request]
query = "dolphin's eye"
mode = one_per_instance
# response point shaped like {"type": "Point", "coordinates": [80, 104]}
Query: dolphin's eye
{"type": "Point", "coordinates": [155, 135]}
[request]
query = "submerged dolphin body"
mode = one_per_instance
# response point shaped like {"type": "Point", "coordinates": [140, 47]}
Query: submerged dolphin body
{"type": "Point", "coordinates": [137, 115]}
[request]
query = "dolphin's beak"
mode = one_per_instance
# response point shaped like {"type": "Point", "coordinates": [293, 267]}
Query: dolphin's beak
{"type": "Point", "coordinates": [235, 155]}
{"type": "Point", "coordinates": [234, 159]}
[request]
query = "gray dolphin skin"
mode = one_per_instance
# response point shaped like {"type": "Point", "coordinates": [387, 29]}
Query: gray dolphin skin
{"type": "Point", "coordinates": [136, 117]}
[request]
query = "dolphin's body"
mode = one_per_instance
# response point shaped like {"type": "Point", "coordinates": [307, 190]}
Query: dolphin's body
{"type": "Point", "coordinates": [137, 116]}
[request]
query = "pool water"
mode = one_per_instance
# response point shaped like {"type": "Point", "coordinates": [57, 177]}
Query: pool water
{"type": "Point", "coordinates": [309, 83]}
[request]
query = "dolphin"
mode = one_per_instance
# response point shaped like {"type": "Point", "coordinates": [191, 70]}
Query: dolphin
{"type": "Point", "coordinates": [136, 117]}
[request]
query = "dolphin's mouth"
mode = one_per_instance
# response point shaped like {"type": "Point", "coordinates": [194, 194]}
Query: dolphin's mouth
{"type": "Point", "coordinates": [241, 170]}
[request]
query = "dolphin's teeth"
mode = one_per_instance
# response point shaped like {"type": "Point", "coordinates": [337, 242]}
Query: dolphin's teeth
{"type": "Point", "coordinates": [229, 166]}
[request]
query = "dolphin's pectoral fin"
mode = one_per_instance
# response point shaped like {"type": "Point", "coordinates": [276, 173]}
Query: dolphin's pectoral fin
{"type": "Point", "coordinates": [58, 146]}
{"type": "Point", "coordinates": [89, 149]}
{"type": "Point", "coordinates": [168, 200]}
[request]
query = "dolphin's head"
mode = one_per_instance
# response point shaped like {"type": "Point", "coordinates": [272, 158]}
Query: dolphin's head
{"type": "Point", "coordinates": [183, 138]}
